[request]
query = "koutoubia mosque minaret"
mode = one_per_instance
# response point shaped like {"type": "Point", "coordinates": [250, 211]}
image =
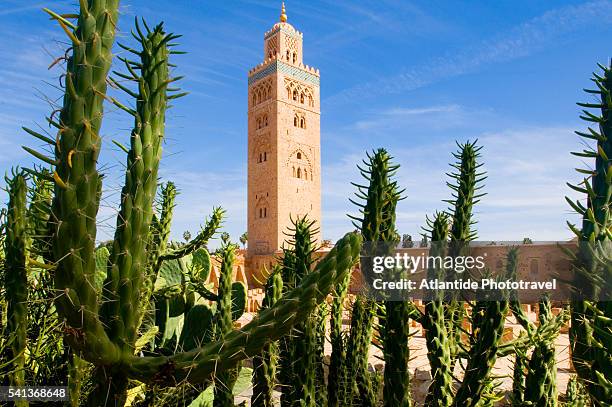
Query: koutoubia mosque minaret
{"type": "Point", "coordinates": [284, 140]}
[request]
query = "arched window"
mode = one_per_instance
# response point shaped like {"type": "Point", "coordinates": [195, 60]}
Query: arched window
{"type": "Point", "coordinates": [288, 93]}
{"type": "Point", "coordinates": [260, 157]}
{"type": "Point", "coordinates": [265, 212]}
{"type": "Point", "coordinates": [294, 57]}
{"type": "Point", "coordinates": [265, 156]}
{"type": "Point", "coordinates": [260, 212]}
{"type": "Point", "coordinates": [302, 98]}
{"type": "Point", "coordinates": [254, 99]}
{"type": "Point", "coordinates": [299, 155]}
{"type": "Point", "coordinates": [310, 101]}
{"type": "Point", "coordinates": [295, 121]}
{"type": "Point", "coordinates": [288, 55]}
{"type": "Point", "coordinates": [299, 172]}
{"type": "Point", "coordinates": [270, 55]}
{"type": "Point", "coordinates": [294, 171]}
{"type": "Point", "coordinates": [306, 175]}
{"type": "Point", "coordinates": [302, 123]}
{"type": "Point", "coordinates": [295, 95]}
{"type": "Point", "coordinates": [265, 120]}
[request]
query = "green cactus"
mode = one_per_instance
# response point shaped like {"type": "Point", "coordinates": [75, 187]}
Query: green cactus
{"type": "Point", "coordinates": [320, 322]}
{"type": "Point", "coordinates": [377, 225]}
{"type": "Point", "coordinates": [488, 317]}
{"type": "Point", "coordinates": [535, 377]}
{"type": "Point", "coordinates": [440, 391]}
{"type": "Point", "coordinates": [287, 343]}
{"type": "Point", "coordinates": [264, 364]}
{"type": "Point", "coordinates": [200, 265]}
{"type": "Point", "coordinates": [519, 374]}
{"type": "Point", "coordinates": [128, 255]}
{"type": "Point", "coordinates": [575, 393]}
{"type": "Point", "coordinates": [239, 299]}
{"type": "Point", "coordinates": [225, 380]}
{"type": "Point", "coordinates": [16, 279]}
{"type": "Point", "coordinates": [591, 321]}
{"type": "Point", "coordinates": [541, 380]}
{"type": "Point", "coordinates": [338, 344]}
{"type": "Point", "coordinates": [299, 372]}
{"type": "Point", "coordinates": [38, 215]}
{"type": "Point", "coordinates": [357, 386]}
{"type": "Point", "coordinates": [467, 181]}
{"type": "Point", "coordinates": [158, 239]}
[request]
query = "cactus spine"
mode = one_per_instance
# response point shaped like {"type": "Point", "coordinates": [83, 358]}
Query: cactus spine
{"type": "Point", "coordinates": [591, 321]}
{"type": "Point", "coordinates": [264, 364]}
{"type": "Point", "coordinates": [16, 279]}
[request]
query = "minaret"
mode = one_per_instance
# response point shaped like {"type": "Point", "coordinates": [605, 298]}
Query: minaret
{"type": "Point", "coordinates": [284, 141]}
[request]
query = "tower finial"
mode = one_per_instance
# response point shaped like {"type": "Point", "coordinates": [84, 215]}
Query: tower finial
{"type": "Point", "coordinates": [283, 16]}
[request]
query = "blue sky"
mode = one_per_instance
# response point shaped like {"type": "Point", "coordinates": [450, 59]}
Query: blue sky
{"type": "Point", "coordinates": [410, 76]}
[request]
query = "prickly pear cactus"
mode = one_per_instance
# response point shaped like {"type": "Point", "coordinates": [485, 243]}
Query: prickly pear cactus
{"type": "Point", "coordinates": [200, 265]}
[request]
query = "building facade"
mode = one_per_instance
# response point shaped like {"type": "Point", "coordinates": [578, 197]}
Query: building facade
{"type": "Point", "coordinates": [284, 141]}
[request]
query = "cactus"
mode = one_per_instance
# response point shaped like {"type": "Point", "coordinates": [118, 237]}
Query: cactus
{"type": "Point", "coordinates": [356, 384]}
{"type": "Point", "coordinates": [535, 378]}
{"type": "Point", "coordinates": [591, 320]}
{"type": "Point", "coordinates": [286, 349]}
{"type": "Point", "coordinates": [488, 321]}
{"type": "Point", "coordinates": [541, 380]}
{"type": "Point", "coordinates": [158, 240]}
{"type": "Point", "coordinates": [300, 352]}
{"type": "Point", "coordinates": [518, 379]}
{"type": "Point", "coordinates": [575, 394]}
{"type": "Point", "coordinates": [16, 279]}
{"type": "Point", "coordinates": [440, 391]}
{"type": "Point", "coordinates": [467, 182]}
{"type": "Point", "coordinates": [225, 380]}
{"type": "Point", "coordinates": [338, 344]}
{"type": "Point", "coordinates": [264, 364]}
{"type": "Point", "coordinates": [378, 226]}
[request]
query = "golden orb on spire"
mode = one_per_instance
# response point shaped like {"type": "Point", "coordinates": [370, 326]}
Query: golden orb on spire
{"type": "Point", "coordinates": [283, 16]}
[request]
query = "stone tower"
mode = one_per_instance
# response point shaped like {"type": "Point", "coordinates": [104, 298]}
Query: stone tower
{"type": "Point", "coordinates": [284, 142]}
